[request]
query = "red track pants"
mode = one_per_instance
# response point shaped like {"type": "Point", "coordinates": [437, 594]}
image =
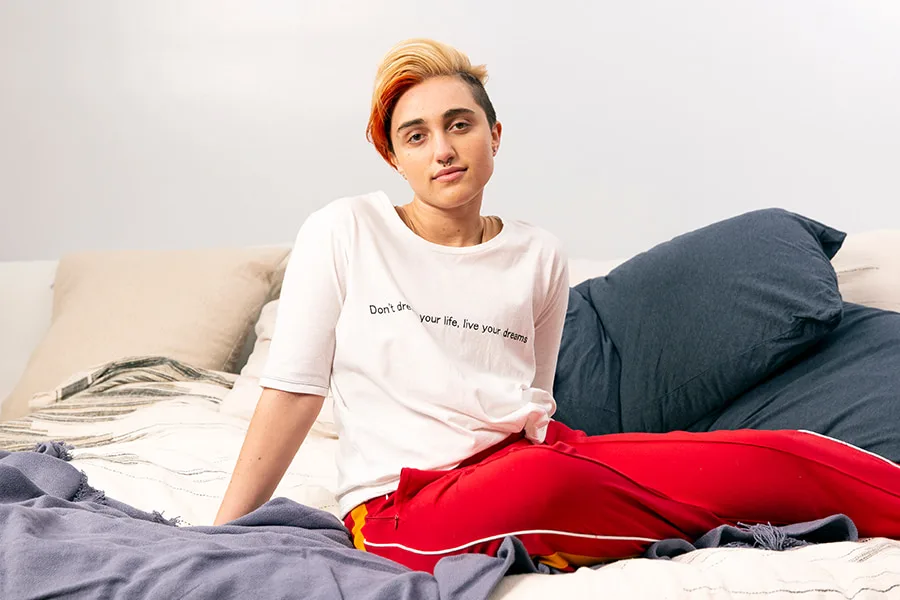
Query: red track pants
{"type": "Point", "coordinates": [578, 500]}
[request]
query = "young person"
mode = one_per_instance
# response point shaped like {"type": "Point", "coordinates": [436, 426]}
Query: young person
{"type": "Point", "coordinates": [437, 329]}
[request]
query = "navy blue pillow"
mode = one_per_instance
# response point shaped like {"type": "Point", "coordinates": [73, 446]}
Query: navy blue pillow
{"type": "Point", "coordinates": [586, 385]}
{"type": "Point", "coordinates": [847, 387]}
{"type": "Point", "coordinates": [695, 322]}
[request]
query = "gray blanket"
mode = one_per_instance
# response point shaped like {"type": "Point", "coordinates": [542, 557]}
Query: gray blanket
{"type": "Point", "coordinates": [61, 538]}
{"type": "Point", "coordinates": [836, 528]}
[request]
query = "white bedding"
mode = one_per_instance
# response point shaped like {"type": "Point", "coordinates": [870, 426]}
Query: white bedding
{"type": "Point", "coordinates": [175, 455]}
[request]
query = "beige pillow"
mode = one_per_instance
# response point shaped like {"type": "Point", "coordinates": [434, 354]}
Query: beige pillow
{"type": "Point", "coordinates": [196, 306]}
{"type": "Point", "coordinates": [868, 269]}
{"type": "Point", "coordinates": [241, 400]}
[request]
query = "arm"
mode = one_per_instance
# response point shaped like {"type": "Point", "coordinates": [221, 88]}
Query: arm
{"type": "Point", "coordinates": [296, 377]}
{"type": "Point", "coordinates": [548, 327]}
{"type": "Point", "coordinates": [278, 427]}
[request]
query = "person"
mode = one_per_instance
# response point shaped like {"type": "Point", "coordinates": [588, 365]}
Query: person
{"type": "Point", "coordinates": [436, 330]}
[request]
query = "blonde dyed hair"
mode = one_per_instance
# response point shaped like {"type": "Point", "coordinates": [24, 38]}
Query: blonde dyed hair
{"type": "Point", "coordinates": [409, 63]}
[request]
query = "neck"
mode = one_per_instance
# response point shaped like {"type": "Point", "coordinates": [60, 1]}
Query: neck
{"type": "Point", "coordinates": [460, 226]}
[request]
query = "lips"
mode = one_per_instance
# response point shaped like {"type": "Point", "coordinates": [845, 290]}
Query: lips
{"type": "Point", "coordinates": [449, 174]}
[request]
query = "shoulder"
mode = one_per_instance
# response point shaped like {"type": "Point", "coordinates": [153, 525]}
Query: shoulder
{"type": "Point", "coordinates": [549, 256]}
{"type": "Point", "coordinates": [348, 208]}
{"type": "Point", "coordinates": [546, 244]}
{"type": "Point", "coordinates": [340, 217]}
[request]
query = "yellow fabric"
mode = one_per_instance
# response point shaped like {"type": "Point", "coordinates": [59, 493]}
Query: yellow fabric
{"type": "Point", "coordinates": [564, 560]}
{"type": "Point", "coordinates": [555, 561]}
{"type": "Point", "coordinates": [358, 515]}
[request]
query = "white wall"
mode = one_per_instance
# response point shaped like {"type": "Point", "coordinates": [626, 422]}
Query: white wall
{"type": "Point", "coordinates": [171, 123]}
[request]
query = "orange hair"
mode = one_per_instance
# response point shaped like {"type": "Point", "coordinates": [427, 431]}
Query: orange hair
{"type": "Point", "coordinates": [409, 63]}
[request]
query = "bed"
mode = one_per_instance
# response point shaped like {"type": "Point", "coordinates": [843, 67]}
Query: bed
{"type": "Point", "coordinates": [158, 425]}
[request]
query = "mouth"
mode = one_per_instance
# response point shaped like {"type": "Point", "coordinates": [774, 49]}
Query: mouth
{"type": "Point", "coordinates": [449, 174]}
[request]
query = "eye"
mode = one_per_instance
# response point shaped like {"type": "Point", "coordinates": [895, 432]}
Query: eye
{"type": "Point", "coordinates": [415, 138]}
{"type": "Point", "coordinates": [460, 126]}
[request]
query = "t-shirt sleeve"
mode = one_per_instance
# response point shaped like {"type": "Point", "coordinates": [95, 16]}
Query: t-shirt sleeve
{"type": "Point", "coordinates": [549, 325]}
{"type": "Point", "coordinates": [301, 352]}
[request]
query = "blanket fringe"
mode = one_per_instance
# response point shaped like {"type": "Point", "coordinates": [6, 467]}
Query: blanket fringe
{"type": "Point", "coordinates": [55, 448]}
{"type": "Point", "coordinates": [159, 518]}
{"type": "Point", "coordinates": [768, 537]}
{"type": "Point", "coordinates": [87, 493]}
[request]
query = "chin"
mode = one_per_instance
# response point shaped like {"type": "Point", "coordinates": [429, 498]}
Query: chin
{"type": "Point", "coordinates": [454, 196]}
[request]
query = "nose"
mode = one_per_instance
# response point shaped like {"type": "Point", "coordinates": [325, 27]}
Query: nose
{"type": "Point", "coordinates": [443, 150]}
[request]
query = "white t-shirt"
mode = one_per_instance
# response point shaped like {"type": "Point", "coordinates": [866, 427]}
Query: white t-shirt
{"type": "Point", "coordinates": [432, 353]}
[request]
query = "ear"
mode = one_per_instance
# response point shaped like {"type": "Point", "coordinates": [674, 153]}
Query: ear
{"type": "Point", "coordinates": [495, 137]}
{"type": "Point", "coordinates": [396, 166]}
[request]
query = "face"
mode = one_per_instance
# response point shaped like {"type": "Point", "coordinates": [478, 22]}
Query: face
{"type": "Point", "coordinates": [443, 144]}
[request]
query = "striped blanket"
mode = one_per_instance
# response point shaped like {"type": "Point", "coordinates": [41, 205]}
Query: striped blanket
{"type": "Point", "coordinates": [109, 392]}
